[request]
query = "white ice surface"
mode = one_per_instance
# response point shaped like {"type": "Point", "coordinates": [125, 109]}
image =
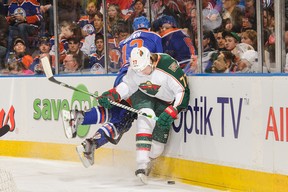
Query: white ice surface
{"type": "Point", "coordinates": [34, 175]}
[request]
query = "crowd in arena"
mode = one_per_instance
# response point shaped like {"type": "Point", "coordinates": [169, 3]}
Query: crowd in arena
{"type": "Point", "coordinates": [229, 39]}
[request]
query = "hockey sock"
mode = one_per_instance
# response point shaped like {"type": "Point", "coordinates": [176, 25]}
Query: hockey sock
{"type": "Point", "coordinates": [143, 147]}
{"type": "Point", "coordinates": [95, 115]}
{"type": "Point", "coordinates": [102, 140]}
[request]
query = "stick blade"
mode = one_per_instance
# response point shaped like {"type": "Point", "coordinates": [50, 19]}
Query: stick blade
{"type": "Point", "coordinates": [46, 66]}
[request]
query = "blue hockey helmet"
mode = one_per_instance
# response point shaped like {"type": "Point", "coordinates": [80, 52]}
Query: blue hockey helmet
{"type": "Point", "coordinates": [167, 19]}
{"type": "Point", "coordinates": [140, 22]}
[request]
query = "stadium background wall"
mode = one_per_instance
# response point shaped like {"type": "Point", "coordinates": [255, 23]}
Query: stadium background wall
{"type": "Point", "coordinates": [234, 135]}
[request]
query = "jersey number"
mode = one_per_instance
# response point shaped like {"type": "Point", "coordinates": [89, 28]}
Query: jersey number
{"type": "Point", "coordinates": [137, 42]}
{"type": "Point", "coordinates": [184, 80]}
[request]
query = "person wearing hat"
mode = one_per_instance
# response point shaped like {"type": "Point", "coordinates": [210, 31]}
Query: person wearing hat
{"type": "Point", "coordinates": [44, 49]}
{"type": "Point", "coordinates": [24, 19]}
{"type": "Point", "coordinates": [248, 62]}
{"type": "Point", "coordinates": [231, 40]}
{"type": "Point", "coordinates": [19, 54]}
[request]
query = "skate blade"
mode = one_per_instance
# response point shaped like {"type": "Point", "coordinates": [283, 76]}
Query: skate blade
{"type": "Point", "coordinates": [143, 178]}
{"type": "Point", "coordinates": [86, 162]}
{"type": "Point", "coordinates": [66, 116]}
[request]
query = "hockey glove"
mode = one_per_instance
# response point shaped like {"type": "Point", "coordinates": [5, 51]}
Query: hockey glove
{"type": "Point", "coordinates": [111, 95]}
{"type": "Point", "coordinates": [167, 117]}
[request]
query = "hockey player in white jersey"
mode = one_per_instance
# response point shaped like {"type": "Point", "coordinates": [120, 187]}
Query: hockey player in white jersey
{"type": "Point", "coordinates": [157, 86]}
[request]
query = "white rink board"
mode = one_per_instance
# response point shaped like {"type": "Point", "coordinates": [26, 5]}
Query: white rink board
{"type": "Point", "coordinates": [238, 139]}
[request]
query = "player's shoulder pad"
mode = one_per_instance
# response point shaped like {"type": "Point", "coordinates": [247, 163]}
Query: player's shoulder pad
{"type": "Point", "coordinates": [149, 32]}
{"type": "Point", "coordinates": [171, 31]}
{"type": "Point", "coordinates": [168, 64]}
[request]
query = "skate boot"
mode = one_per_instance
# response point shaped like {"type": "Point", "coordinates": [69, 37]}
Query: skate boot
{"type": "Point", "coordinates": [86, 151]}
{"type": "Point", "coordinates": [142, 174]}
{"type": "Point", "coordinates": [71, 120]}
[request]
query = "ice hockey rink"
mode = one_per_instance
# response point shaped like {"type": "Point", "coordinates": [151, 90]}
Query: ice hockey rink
{"type": "Point", "coordinates": [35, 175]}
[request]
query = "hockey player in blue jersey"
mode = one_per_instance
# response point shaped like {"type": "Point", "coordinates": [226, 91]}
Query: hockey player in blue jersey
{"type": "Point", "coordinates": [142, 36]}
{"type": "Point", "coordinates": [116, 121]}
{"type": "Point", "coordinates": [175, 42]}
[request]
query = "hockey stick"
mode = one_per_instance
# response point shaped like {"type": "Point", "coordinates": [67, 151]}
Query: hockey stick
{"type": "Point", "coordinates": [48, 72]}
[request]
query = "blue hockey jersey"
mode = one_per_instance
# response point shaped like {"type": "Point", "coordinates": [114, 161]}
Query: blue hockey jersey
{"type": "Point", "coordinates": [28, 8]}
{"type": "Point", "coordinates": [178, 45]}
{"type": "Point", "coordinates": [140, 38]}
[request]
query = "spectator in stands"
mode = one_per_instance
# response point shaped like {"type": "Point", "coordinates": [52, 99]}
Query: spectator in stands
{"type": "Point", "coordinates": [269, 33]}
{"type": "Point", "coordinates": [98, 22]}
{"type": "Point", "coordinates": [136, 11]}
{"type": "Point", "coordinates": [72, 64]}
{"type": "Point", "coordinates": [86, 22]}
{"type": "Point", "coordinates": [209, 42]}
{"type": "Point", "coordinates": [114, 15]}
{"type": "Point", "coordinates": [227, 24]}
{"type": "Point", "coordinates": [232, 11]}
{"type": "Point", "coordinates": [44, 48]}
{"type": "Point", "coordinates": [220, 39]}
{"type": "Point", "coordinates": [223, 63]}
{"type": "Point", "coordinates": [249, 37]}
{"type": "Point", "coordinates": [16, 67]}
{"type": "Point", "coordinates": [68, 30]}
{"type": "Point", "coordinates": [123, 5]}
{"type": "Point", "coordinates": [247, 23]}
{"type": "Point", "coordinates": [120, 31]}
{"type": "Point", "coordinates": [248, 62]}
{"type": "Point", "coordinates": [250, 11]}
{"type": "Point", "coordinates": [24, 18]}
{"type": "Point", "coordinates": [266, 29]}
{"type": "Point", "coordinates": [189, 5]}
{"type": "Point", "coordinates": [174, 41]}
{"type": "Point", "coordinates": [74, 46]}
{"type": "Point", "coordinates": [97, 59]}
{"type": "Point", "coordinates": [193, 15]}
{"type": "Point", "coordinates": [88, 46]}
{"type": "Point", "coordinates": [231, 40]}
{"type": "Point", "coordinates": [3, 40]}
{"type": "Point", "coordinates": [20, 54]}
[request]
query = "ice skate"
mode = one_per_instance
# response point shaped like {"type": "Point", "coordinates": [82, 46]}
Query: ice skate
{"type": "Point", "coordinates": [71, 120]}
{"type": "Point", "coordinates": [141, 173]}
{"type": "Point", "coordinates": [86, 152]}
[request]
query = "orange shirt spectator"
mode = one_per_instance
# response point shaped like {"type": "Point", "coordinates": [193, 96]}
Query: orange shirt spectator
{"type": "Point", "coordinates": [19, 47]}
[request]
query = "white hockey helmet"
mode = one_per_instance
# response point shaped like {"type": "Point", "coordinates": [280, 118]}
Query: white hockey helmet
{"type": "Point", "coordinates": [140, 58]}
